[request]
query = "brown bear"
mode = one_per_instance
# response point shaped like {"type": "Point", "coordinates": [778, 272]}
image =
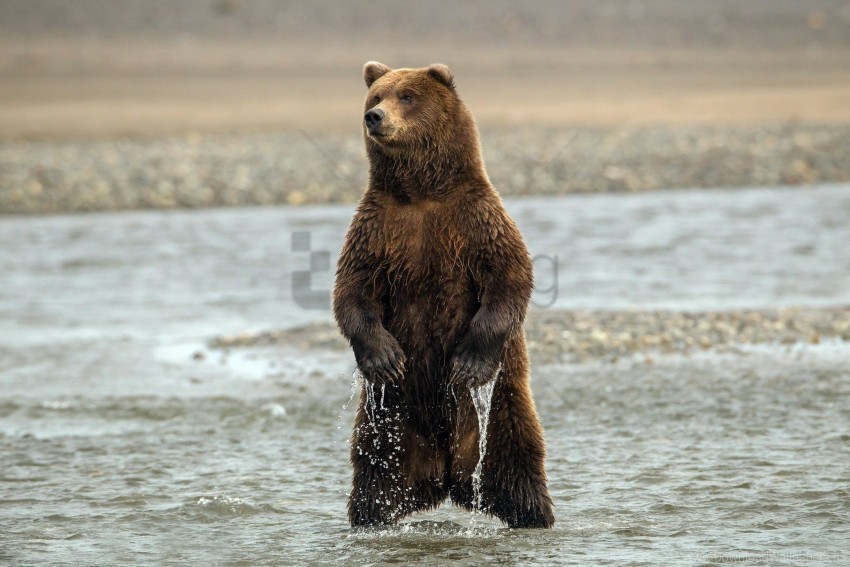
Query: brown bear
{"type": "Point", "coordinates": [432, 288]}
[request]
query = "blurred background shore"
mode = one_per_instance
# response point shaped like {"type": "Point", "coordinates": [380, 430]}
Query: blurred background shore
{"type": "Point", "coordinates": [122, 105]}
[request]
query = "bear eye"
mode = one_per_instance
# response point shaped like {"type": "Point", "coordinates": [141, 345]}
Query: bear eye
{"type": "Point", "coordinates": [406, 98]}
{"type": "Point", "coordinates": [376, 99]}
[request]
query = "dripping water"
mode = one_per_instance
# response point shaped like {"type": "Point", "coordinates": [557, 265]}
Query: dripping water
{"type": "Point", "coordinates": [371, 404]}
{"type": "Point", "coordinates": [385, 422]}
{"type": "Point", "coordinates": [482, 398]}
{"type": "Point", "coordinates": [356, 380]}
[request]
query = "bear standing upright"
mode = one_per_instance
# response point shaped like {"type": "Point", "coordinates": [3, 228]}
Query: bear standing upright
{"type": "Point", "coordinates": [432, 287]}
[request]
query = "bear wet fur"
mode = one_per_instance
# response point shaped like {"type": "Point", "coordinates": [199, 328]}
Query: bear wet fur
{"type": "Point", "coordinates": [431, 291]}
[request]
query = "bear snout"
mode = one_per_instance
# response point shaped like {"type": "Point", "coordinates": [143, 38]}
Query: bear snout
{"type": "Point", "coordinates": [373, 120]}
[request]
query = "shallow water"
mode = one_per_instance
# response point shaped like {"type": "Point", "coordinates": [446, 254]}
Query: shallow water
{"type": "Point", "coordinates": [124, 440]}
{"type": "Point", "coordinates": [676, 462]}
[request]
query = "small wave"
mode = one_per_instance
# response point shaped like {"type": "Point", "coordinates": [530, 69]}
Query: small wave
{"type": "Point", "coordinates": [633, 531]}
{"type": "Point", "coordinates": [223, 506]}
{"type": "Point", "coordinates": [55, 405]}
{"type": "Point", "coordinates": [274, 410]}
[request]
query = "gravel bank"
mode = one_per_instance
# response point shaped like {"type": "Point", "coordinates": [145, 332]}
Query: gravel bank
{"type": "Point", "coordinates": [579, 336]}
{"type": "Point", "coordinates": [298, 168]}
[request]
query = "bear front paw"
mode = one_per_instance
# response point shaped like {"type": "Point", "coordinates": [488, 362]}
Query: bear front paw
{"type": "Point", "coordinates": [380, 361]}
{"type": "Point", "coordinates": [473, 370]}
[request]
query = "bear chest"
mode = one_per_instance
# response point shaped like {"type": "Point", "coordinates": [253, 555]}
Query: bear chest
{"type": "Point", "coordinates": [421, 244]}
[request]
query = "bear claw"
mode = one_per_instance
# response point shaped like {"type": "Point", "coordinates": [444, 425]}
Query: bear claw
{"type": "Point", "coordinates": [382, 364]}
{"type": "Point", "coordinates": [472, 371]}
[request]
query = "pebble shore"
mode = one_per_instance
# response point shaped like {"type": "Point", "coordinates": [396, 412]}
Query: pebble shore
{"type": "Point", "coordinates": [581, 336]}
{"type": "Point", "coordinates": [298, 167]}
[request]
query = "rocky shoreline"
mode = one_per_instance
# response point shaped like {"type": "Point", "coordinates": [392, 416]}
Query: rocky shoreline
{"type": "Point", "coordinates": [583, 336]}
{"type": "Point", "coordinates": [298, 167]}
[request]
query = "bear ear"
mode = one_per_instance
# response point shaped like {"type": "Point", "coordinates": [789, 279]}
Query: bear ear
{"type": "Point", "coordinates": [372, 71]}
{"type": "Point", "coordinates": [442, 73]}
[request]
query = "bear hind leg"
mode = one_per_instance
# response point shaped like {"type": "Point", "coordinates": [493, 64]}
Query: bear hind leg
{"type": "Point", "coordinates": [376, 501]}
{"type": "Point", "coordinates": [518, 499]}
{"type": "Point", "coordinates": [396, 472]}
{"type": "Point", "coordinates": [513, 479]}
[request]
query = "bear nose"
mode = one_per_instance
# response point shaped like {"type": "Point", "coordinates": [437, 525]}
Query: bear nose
{"type": "Point", "coordinates": [373, 118]}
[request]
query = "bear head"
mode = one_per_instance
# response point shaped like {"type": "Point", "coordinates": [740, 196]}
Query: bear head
{"type": "Point", "coordinates": [414, 110]}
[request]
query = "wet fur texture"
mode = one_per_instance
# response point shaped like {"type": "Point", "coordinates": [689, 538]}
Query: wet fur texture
{"type": "Point", "coordinates": [432, 288]}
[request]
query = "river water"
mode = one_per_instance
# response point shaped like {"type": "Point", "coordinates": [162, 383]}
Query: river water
{"type": "Point", "coordinates": [125, 440]}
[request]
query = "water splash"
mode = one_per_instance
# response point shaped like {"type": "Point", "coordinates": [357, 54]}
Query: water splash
{"type": "Point", "coordinates": [343, 440]}
{"type": "Point", "coordinates": [383, 446]}
{"type": "Point", "coordinates": [428, 530]}
{"type": "Point", "coordinates": [482, 398]}
{"type": "Point", "coordinates": [356, 380]}
{"type": "Point", "coordinates": [371, 404]}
